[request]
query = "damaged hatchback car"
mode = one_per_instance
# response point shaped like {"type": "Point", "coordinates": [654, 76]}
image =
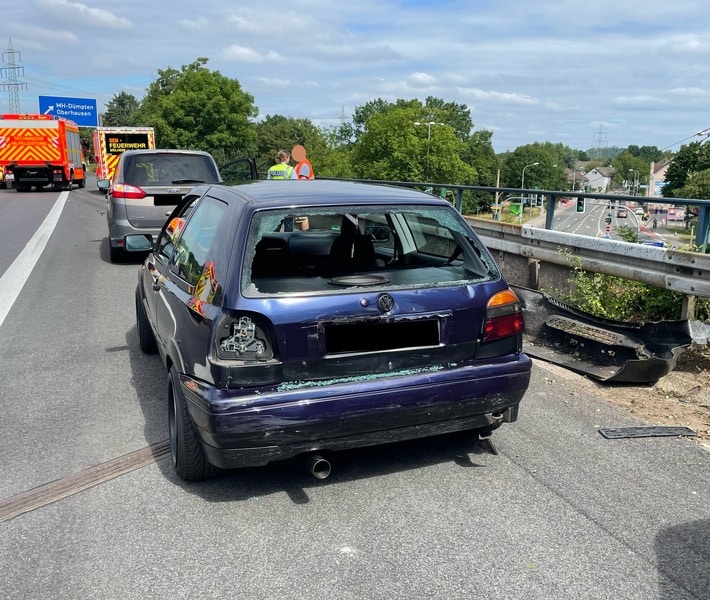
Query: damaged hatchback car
{"type": "Point", "coordinates": [296, 318]}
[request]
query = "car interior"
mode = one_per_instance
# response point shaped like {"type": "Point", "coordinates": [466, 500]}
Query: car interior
{"type": "Point", "coordinates": [359, 249]}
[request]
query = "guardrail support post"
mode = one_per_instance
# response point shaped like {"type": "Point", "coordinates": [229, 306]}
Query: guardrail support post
{"type": "Point", "coordinates": [550, 214]}
{"type": "Point", "coordinates": [701, 234]}
{"type": "Point", "coordinates": [689, 307]}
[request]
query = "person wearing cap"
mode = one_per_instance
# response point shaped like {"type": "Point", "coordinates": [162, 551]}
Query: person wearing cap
{"type": "Point", "coordinates": [282, 170]}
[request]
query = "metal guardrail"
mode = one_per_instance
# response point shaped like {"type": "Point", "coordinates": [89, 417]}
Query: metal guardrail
{"type": "Point", "coordinates": [676, 270]}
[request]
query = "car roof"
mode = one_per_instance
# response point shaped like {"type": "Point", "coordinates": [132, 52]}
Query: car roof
{"type": "Point", "coordinates": [277, 194]}
{"type": "Point", "coordinates": [163, 151]}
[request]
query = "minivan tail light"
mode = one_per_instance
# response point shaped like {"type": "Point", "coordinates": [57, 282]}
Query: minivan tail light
{"type": "Point", "coordinates": [123, 190]}
{"type": "Point", "coordinates": [504, 316]}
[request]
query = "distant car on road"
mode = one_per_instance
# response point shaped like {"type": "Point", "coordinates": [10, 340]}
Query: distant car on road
{"type": "Point", "coordinates": [148, 184]}
{"type": "Point", "coordinates": [311, 316]}
{"type": "Point", "coordinates": [622, 213]}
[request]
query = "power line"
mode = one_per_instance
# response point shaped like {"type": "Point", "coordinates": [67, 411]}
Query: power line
{"type": "Point", "coordinates": [703, 132]}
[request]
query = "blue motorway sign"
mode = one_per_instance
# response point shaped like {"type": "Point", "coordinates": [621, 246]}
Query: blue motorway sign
{"type": "Point", "coordinates": [80, 110]}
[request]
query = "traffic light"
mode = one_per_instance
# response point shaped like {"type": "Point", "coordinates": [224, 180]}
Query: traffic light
{"type": "Point", "coordinates": [580, 205]}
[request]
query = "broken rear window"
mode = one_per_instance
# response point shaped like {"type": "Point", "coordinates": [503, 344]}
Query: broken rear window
{"type": "Point", "coordinates": [328, 250]}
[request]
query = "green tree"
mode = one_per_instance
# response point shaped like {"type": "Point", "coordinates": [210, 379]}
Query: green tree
{"type": "Point", "coordinates": [478, 152]}
{"type": "Point", "coordinates": [547, 174]}
{"type": "Point", "coordinates": [120, 111]}
{"type": "Point", "coordinates": [196, 108]}
{"type": "Point", "coordinates": [691, 158]}
{"type": "Point", "coordinates": [337, 156]}
{"type": "Point", "coordinates": [697, 185]}
{"type": "Point", "coordinates": [647, 154]}
{"type": "Point", "coordinates": [630, 169]}
{"type": "Point", "coordinates": [457, 116]}
{"type": "Point", "coordinates": [392, 147]}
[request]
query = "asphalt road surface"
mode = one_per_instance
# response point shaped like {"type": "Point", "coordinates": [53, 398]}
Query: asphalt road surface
{"type": "Point", "coordinates": [90, 508]}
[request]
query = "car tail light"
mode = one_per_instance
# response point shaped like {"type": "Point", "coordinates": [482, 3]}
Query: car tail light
{"type": "Point", "coordinates": [123, 190]}
{"type": "Point", "coordinates": [504, 316]}
{"type": "Point", "coordinates": [242, 338]}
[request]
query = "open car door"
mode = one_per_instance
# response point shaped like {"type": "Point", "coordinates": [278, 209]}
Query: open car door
{"type": "Point", "coordinates": [239, 170]}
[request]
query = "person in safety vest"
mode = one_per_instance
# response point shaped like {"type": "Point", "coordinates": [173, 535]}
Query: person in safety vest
{"type": "Point", "coordinates": [303, 168]}
{"type": "Point", "coordinates": [282, 170]}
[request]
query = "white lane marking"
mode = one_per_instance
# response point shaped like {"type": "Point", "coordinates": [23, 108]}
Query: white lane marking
{"type": "Point", "coordinates": [13, 280]}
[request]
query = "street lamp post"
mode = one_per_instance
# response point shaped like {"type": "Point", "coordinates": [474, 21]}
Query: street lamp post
{"type": "Point", "coordinates": [428, 140]}
{"type": "Point", "coordinates": [522, 185]}
{"type": "Point", "coordinates": [636, 181]}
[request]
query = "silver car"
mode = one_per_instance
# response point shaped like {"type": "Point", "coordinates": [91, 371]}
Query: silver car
{"type": "Point", "coordinates": [147, 186]}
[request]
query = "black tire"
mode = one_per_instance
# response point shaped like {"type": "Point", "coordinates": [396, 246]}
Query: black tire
{"type": "Point", "coordinates": [82, 183]}
{"type": "Point", "coordinates": [114, 254]}
{"type": "Point", "coordinates": [146, 338]}
{"type": "Point", "coordinates": [185, 449]}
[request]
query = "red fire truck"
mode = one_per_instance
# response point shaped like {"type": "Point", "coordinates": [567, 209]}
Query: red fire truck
{"type": "Point", "coordinates": [111, 142]}
{"type": "Point", "coordinates": [41, 150]}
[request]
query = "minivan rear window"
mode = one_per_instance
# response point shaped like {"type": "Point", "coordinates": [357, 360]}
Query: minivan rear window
{"type": "Point", "coordinates": [169, 169]}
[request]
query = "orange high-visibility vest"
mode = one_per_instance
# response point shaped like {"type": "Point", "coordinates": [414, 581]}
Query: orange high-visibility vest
{"type": "Point", "coordinates": [299, 166]}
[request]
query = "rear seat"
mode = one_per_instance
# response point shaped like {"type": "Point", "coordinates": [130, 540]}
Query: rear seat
{"type": "Point", "coordinates": [292, 253]}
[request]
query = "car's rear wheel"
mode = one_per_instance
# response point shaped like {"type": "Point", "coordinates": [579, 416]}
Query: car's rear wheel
{"type": "Point", "coordinates": [185, 449]}
{"type": "Point", "coordinates": [146, 338]}
{"type": "Point", "coordinates": [114, 254]}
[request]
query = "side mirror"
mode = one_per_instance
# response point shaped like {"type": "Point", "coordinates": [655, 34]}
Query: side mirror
{"type": "Point", "coordinates": [138, 243]}
{"type": "Point", "coordinates": [103, 184]}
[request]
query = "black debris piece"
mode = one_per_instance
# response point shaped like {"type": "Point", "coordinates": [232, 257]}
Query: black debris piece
{"type": "Point", "coordinates": [616, 433]}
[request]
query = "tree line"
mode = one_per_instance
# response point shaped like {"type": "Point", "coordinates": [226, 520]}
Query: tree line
{"type": "Point", "coordinates": [407, 140]}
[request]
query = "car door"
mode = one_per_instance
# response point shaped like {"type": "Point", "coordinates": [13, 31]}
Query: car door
{"type": "Point", "coordinates": [190, 286]}
{"type": "Point", "coordinates": [156, 265]}
{"type": "Point", "coordinates": [239, 170]}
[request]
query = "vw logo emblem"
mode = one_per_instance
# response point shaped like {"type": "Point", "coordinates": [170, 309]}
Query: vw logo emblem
{"type": "Point", "coordinates": [385, 303]}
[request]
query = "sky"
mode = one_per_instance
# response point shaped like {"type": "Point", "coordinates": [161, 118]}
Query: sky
{"type": "Point", "coordinates": [587, 75]}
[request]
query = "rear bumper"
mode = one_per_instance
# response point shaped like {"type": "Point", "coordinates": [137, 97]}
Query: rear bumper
{"type": "Point", "coordinates": [238, 430]}
{"type": "Point", "coordinates": [119, 227]}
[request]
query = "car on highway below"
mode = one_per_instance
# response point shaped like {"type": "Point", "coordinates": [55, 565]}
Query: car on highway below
{"type": "Point", "coordinates": [622, 213]}
{"type": "Point", "coordinates": [299, 318]}
{"type": "Point", "coordinates": [147, 186]}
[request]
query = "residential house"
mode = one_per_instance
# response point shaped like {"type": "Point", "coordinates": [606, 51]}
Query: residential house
{"type": "Point", "coordinates": [600, 178]}
{"type": "Point", "coordinates": [657, 177]}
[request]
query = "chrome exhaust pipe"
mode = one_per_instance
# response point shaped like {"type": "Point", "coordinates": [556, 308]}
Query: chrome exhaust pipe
{"type": "Point", "coordinates": [318, 466]}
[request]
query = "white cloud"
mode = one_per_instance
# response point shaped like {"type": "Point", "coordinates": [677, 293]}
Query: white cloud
{"type": "Point", "coordinates": [275, 83]}
{"type": "Point", "coordinates": [422, 79]}
{"type": "Point", "coordinates": [249, 55]}
{"type": "Point", "coordinates": [97, 16]}
{"type": "Point", "coordinates": [503, 97]}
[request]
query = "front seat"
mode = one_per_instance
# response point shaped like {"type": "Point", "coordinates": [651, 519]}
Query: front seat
{"type": "Point", "coordinates": [352, 249]}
